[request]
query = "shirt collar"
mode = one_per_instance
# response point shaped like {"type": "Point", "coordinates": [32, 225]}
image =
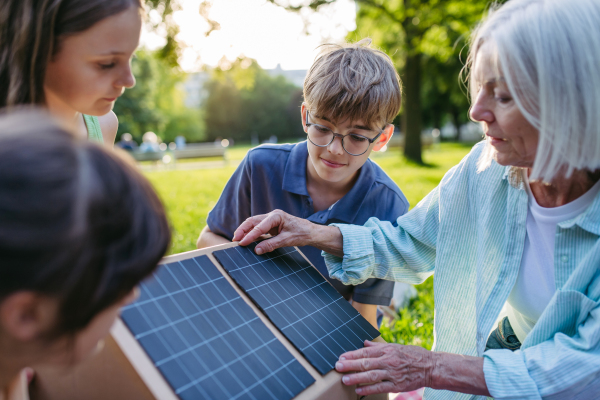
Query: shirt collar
{"type": "Point", "coordinates": [588, 220]}
{"type": "Point", "coordinates": [346, 209]}
{"type": "Point", "coordinates": [294, 176]}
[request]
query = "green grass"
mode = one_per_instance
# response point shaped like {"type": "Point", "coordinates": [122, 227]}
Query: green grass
{"type": "Point", "coordinates": [190, 195]}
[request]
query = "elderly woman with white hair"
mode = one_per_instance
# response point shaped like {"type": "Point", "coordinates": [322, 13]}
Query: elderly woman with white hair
{"type": "Point", "coordinates": [512, 233]}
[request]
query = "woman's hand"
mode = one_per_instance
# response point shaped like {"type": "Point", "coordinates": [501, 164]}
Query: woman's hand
{"type": "Point", "coordinates": [288, 230]}
{"type": "Point", "coordinates": [18, 389]}
{"type": "Point", "coordinates": [386, 368]}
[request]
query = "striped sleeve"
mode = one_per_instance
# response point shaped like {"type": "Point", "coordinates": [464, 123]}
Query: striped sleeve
{"type": "Point", "coordinates": [380, 250]}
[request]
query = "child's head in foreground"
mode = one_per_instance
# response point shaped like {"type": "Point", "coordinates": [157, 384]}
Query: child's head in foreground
{"type": "Point", "coordinates": [353, 90]}
{"type": "Point", "coordinates": [79, 229]}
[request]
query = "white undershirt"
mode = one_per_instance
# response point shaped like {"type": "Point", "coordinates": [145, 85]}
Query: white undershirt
{"type": "Point", "coordinates": [535, 284]}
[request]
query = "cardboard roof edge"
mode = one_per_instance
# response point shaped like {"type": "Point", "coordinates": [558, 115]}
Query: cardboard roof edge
{"type": "Point", "coordinates": [122, 370]}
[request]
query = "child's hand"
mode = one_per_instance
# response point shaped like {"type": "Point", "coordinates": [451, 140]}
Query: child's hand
{"type": "Point", "coordinates": [287, 230]}
{"type": "Point", "coordinates": [18, 389]}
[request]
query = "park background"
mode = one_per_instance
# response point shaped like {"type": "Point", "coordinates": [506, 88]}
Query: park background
{"type": "Point", "coordinates": [222, 95]}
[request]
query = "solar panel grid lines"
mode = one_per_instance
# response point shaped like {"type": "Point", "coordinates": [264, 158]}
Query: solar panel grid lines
{"type": "Point", "coordinates": [206, 341]}
{"type": "Point", "coordinates": [299, 301]}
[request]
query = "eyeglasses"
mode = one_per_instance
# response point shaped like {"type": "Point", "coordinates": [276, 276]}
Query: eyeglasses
{"type": "Point", "coordinates": [322, 136]}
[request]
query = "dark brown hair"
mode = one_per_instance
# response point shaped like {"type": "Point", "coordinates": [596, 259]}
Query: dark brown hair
{"type": "Point", "coordinates": [77, 222]}
{"type": "Point", "coordinates": [30, 33]}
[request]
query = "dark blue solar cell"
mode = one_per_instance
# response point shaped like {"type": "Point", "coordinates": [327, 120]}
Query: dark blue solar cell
{"type": "Point", "coordinates": [153, 315]}
{"type": "Point", "coordinates": [289, 381]}
{"type": "Point", "coordinates": [277, 388]}
{"type": "Point", "coordinates": [135, 321]}
{"type": "Point", "coordinates": [236, 343]}
{"type": "Point", "coordinates": [192, 393]}
{"type": "Point", "coordinates": [155, 348]}
{"type": "Point", "coordinates": [226, 290]}
{"type": "Point", "coordinates": [306, 302]}
{"type": "Point", "coordinates": [174, 373]}
{"type": "Point", "coordinates": [229, 381]}
{"type": "Point", "coordinates": [295, 337]}
{"type": "Point", "coordinates": [207, 267]}
{"type": "Point", "coordinates": [252, 276]}
{"type": "Point", "coordinates": [260, 392]}
{"type": "Point", "coordinates": [180, 275]}
{"type": "Point", "coordinates": [185, 303]}
{"type": "Point", "coordinates": [243, 309]}
{"type": "Point", "coordinates": [192, 268]}
{"type": "Point", "coordinates": [169, 309]}
{"type": "Point", "coordinates": [167, 280]}
{"type": "Point", "coordinates": [214, 388]}
{"type": "Point", "coordinates": [203, 337]}
{"type": "Point", "coordinates": [173, 341]}
{"type": "Point", "coordinates": [300, 373]}
{"type": "Point", "coordinates": [189, 332]}
{"type": "Point", "coordinates": [154, 287]}
{"type": "Point", "coordinates": [212, 293]}
{"type": "Point", "coordinates": [244, 374]}
{"type": "Point", "coordinates": [270, 294]}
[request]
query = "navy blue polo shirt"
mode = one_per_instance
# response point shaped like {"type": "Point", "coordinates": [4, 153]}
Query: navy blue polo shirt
{"type": "Point", "coordinates": [274, 177]}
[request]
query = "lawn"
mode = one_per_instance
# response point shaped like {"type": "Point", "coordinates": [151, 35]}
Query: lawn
{"type": "Point", "coordinates": [190, 195]}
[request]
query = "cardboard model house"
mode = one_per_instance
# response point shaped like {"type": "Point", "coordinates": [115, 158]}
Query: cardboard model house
{"type": "Point", "coordinates": [222, 323]}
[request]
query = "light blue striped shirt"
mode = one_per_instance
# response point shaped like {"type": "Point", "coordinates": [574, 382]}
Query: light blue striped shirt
{"type": "Point", "coordinates": [470, 231]}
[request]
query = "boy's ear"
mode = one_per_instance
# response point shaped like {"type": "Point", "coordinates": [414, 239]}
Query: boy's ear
{"type": "Point", "coordinates": [303, 116]}
{"type": "Point", "coordinates": [384, 138]}
{"type": "Point", "coordinates": [26, 316]}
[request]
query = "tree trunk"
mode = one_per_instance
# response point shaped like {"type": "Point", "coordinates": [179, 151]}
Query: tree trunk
{"type": "Point", "coordinates": [411, 117]}
{"type": "Point", "coordinates": [456, 121]}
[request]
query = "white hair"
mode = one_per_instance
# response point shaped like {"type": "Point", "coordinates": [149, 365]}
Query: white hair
{"type": "Point", "coordinates": [549, 55]}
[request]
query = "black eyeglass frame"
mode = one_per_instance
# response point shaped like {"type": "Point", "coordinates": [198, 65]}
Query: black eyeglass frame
{"type": "Point", "coordinates": [335, 134]}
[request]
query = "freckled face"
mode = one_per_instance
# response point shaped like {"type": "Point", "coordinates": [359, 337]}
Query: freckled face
{"type": "Point", "coordinates": [333, 163]}
{"type": "Point", "coordinates": [514, 139]}
{"type": "Point", "coordinates": [92, 68]}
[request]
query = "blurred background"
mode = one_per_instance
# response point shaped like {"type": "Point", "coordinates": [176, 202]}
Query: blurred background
{"type": "Point", "coordinates": [209, 70]}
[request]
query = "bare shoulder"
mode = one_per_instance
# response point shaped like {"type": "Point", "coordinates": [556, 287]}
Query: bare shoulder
{"type": "Point", "coordinates": [109, 125]}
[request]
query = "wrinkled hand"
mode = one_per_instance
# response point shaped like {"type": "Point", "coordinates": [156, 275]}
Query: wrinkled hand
{"type": "Point", "coordinates": [286, 230]}
{"type": "Point", "coordinates": [386, 368]}
{"type": "Point", "coordinates": [18, 389]}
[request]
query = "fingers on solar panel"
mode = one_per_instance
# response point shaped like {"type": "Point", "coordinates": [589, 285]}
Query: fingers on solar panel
{"type": "Point", "coordinates": [299, 302]}
{"type": "Point", "coordinates": [206, 341]}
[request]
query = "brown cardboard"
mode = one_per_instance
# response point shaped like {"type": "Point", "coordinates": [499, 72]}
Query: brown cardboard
{"type": "Point", "coordinates": [123, 371]}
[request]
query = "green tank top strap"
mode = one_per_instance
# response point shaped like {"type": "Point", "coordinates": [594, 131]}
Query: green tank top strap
{"type": "Point", "coordinates": [93, 127]}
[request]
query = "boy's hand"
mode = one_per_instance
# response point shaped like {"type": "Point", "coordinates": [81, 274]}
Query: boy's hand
{"type": "Point", "coordinates": [286, 230]}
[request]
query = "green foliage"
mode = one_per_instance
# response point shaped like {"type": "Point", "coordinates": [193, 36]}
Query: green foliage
{"type": "Point", "coordinates": [243, 100]}
{"type": "Point", "coordinates": [438, 30]}
{"type": "Point", "coordinates": [155, 103]}
{"type": "Point", "coordinates": [190, 195]}
{"type": "Point", "coordinates": [414, 323]}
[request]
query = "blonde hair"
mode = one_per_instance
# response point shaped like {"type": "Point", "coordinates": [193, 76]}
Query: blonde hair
{"type": "Point", "coordinates": [353, 81]}
{"type": "Point", "coordinates": [549, 55]}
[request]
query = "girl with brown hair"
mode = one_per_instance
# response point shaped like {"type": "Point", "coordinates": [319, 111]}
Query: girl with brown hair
{"type": "Point", "coordinates": [71, 56]}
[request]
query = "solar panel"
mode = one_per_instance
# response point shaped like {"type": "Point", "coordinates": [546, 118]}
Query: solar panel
{"type": "Point", "coordinates": [300, 302]}
{"type": "Point", "coordinates": [206, 341]}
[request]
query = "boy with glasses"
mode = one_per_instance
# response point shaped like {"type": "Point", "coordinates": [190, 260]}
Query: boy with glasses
{"type": "Point", "coordinates": [351, 94]}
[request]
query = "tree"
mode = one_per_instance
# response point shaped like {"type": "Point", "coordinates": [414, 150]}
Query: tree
{"type": "Point", "coordinates": [413, 32]}
{"type": "Point", "coordinates": [156, 102]}
{"type": "Point", "coordinates": [243, 100]}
